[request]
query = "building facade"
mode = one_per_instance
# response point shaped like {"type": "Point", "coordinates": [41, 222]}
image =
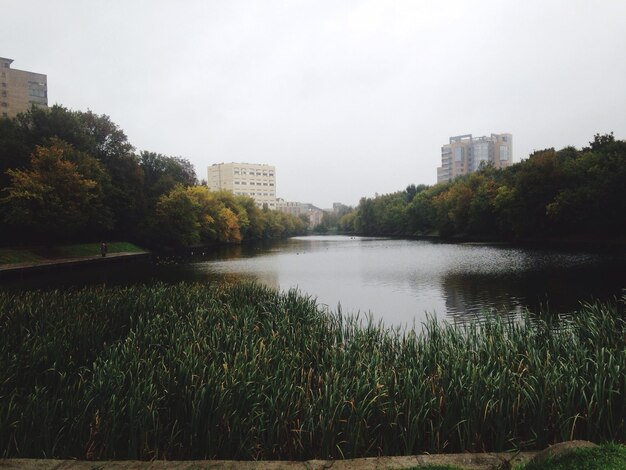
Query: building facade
{"type": "Point", "coordinates": [314, 214]}
{"type": "Point", "coordinates": [19, 89]}
{"type": "Point", "coordinates": [257, 181]}
{"type": "Point", "coordinates": [465, 154]}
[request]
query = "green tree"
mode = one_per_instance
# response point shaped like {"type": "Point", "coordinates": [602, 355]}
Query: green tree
{"type": "Point", "coordinates": [95, 135]}
{"type": "Point", "coordinates": [422, 213]}
{"type": "Point", "coordinates": [162, 173]}
{"type": "Point", "coordinates": [14, 151]}
{"type": "Point", "coordinates": [105, 141]}
{"type": "Point", "coordinates": [254, 228]}
{"type": "Point", "coordinates": [58, 198]}
{"type": "Point", "coordinates": [178, 219]}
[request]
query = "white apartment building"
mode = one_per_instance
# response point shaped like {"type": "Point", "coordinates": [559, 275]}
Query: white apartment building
{"type": "Point", "coordinates": [465, 154]}
{"type": "Point", "coordinates": [254, 180]}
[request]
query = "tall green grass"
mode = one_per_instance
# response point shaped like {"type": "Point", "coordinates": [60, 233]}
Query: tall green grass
{"type": "Point", "coordinates": [244, 372]}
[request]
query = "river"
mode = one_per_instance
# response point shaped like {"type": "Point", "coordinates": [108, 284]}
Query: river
{"type": "Point", "coordinates": [396, 281]}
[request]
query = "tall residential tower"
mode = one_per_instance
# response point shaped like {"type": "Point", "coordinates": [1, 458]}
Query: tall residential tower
{"type": "Point", "coordinates": [465, 154]}
{"type": "Point", "coordinates": [19, 89]}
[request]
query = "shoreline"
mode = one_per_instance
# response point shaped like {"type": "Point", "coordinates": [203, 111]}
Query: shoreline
{"type": "Point", "coordinates": [18, 268]}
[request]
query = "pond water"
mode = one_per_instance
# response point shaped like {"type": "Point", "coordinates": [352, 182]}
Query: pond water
{"type": "Point", "coordinates": [397, 281]}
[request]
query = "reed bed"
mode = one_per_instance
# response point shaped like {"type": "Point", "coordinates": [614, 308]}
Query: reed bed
{"type": "Point", "coordinates": [244, 372]}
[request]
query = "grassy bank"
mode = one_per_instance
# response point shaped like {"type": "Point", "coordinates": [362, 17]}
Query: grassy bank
{"type": "Point", "coordinates": [609, 456]}
{"type": "Point", "coordinates": [41, 253]}
{"type": "Point", "coordinates": [244, 372]}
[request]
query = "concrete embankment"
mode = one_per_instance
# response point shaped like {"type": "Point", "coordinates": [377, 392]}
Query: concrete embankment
{"type": "Point", "coordinates": [467, 461]}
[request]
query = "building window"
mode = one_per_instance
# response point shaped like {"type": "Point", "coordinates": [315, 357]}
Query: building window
{"type": "Point", "coordinates": [504, 152]}
{"type": "Point", "coordinates": [36, 89]}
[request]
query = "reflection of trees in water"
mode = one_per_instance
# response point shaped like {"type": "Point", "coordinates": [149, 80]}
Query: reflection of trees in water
{"type": "Point", "coordinates": [469, 297]}
{"type": "Point", "coordinates": [555, 290]}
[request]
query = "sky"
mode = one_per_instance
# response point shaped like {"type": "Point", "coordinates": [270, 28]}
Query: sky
{"type": "Point", "coordinates": [346, 99]}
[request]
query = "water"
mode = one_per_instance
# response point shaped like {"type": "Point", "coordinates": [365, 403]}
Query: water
{"type": "Point", "coordinates": [397, 281]}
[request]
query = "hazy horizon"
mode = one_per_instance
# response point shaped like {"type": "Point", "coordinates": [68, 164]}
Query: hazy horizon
{"type": "Point", "coordinates": [345, 99]}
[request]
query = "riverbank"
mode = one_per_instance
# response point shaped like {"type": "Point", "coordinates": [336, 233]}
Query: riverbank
{"type": "Point", "coordinates": [20, 260]}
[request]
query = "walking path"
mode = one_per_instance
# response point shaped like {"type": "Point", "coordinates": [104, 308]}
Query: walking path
{"type": "Point", "coordinates": [486, 461]}
{"type": "Point", "coordinates": [48, 263]}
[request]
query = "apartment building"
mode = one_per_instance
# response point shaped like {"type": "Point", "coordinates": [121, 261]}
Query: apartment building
{"type": "Point", "coordinates": [465, 154]}
{"type": "Point", "coordinates": [257, 181]}
{"type": "Point", "coordinates": [19, 89]}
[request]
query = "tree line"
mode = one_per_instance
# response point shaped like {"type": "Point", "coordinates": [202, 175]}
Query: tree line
{"type": "Point", "coordinates": [569, 194]}
{"type": "Point", "coordinates": [72, 176]}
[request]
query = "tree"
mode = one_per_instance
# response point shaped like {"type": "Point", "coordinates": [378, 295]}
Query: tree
{"type": "Point", "coordinates": [94, 135]}
{"type": "Point", "coordinates": [254, 228]}
{"type": "Point", "coordinates": [108, 143]}
{"type": "Point", "coordinates": [600, 141]}
{"type": "Point", "coordinates": [178, 216]}
{"type": "Point", "coordinates": [161, 174]}
{"type": "Point", "coordinates": [14, 151]}
{"type": "Point", "coordinates": [58, 198]}
{"type": "Point", "coordinates": [365, 220]}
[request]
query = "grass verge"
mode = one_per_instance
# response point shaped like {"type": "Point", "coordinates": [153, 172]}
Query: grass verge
{"type": "Point", "coordinates": [39, 254]}
{"type": "Point", "coordinates": [605, 457]}
{"type": "Point", "coordinates": [93, 249]}
{"type": "Point", "coordinates": [18, 255]}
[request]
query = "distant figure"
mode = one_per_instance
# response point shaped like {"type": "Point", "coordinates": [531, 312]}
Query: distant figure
{"type": "Point", "coordinates": [104, 249]}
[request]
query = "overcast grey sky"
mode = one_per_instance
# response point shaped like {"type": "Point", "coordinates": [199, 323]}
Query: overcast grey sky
{"type": "Point", "coordinates": [345, 98]}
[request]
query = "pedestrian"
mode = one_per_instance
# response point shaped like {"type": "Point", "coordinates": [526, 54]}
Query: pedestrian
{"type": "Point", "coordinates": [104, 249]}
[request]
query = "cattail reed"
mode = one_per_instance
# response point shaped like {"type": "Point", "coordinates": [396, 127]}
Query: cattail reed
{"type": "Point", "coordinates": [244, 372]}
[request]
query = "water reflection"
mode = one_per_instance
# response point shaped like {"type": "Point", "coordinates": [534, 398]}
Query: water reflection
{"type": "Point", "coordinates": [398, 281]}
{"type": "Point", "coordinates": [401, 281]}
